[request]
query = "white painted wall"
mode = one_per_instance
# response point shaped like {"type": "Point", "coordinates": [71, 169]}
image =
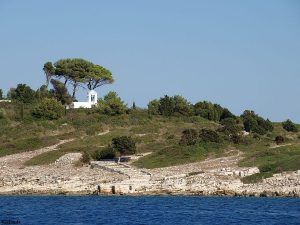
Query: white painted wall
{"type": "Point", "coordinates": [92, 98]}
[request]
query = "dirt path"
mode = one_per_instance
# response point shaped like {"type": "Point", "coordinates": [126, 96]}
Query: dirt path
{"type": "Point", "coordinates": [278, 146]}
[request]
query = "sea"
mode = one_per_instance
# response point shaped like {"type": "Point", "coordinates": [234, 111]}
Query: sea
{"type": "Point", "coordinates": [152, 210]}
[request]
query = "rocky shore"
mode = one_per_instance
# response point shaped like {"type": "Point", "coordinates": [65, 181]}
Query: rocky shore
{"type": "Point", "coordinates": [221, 177]}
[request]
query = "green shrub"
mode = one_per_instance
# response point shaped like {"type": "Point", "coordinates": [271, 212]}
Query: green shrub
{"type": "Point", "coordinates": [22, 93]}
{"type": "Point", "coordinates": [189, 137]}
{"type": "Point", "coordinates": [86, 157]}
{"type": "Point", "coordinates": [253, 122]}
{"type": "Point", "coordinates": [207, 135]}
{"type": "Point", "coordinates": [48, 109]}
{"type": "Point", "coordinates": [112, 104]}
{"type": "Point", "coordinates": [124, 145]}
{"type": "Point", "coordinates": [229, 126]}
{"type": "Point", "coordinates": [153, 107]}
{"type": "Point", "coordinates": [279, 140]}
{"type": "Point", "coordinates": [107, 153]}
{"type": "Point", "coordinates": [166, 106]}
{"type": "Point", "coordinates": [236, 138]}
{"type": "Point", "coordinates": [288, 125]}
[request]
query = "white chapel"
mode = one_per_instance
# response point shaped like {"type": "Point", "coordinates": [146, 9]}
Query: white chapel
{"type": "Point", "coordinates": [92, 100]}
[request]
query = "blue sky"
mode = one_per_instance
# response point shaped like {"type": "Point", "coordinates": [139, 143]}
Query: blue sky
{"type": "Point", "coordinates": [240, 54]}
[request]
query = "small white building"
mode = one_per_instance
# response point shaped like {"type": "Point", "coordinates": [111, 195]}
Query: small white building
{"type": "Point", "coordinates": [92, 100]}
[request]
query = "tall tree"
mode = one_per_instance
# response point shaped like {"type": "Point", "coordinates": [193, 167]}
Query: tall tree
{"type": "Point", "coordinates": [49, 71]}
{"type": "Point", "coordinates": [61, 92]}
{"type": "Point", "coordinates": [80, 72]}
{"type": "Point", "coordinates": [99, 76]}
{"type": "Point", "coordinates": [22, 93]}
{"type": "Point", "coordinates": [1, 94]}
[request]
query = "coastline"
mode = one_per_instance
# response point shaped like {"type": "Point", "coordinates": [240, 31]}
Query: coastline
{"type": "Point", "coordinates": [211, 177]}
{"type": "Point", "coordinates": [220, 193]}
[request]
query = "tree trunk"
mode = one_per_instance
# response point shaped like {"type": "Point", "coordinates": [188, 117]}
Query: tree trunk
{"type": "Point", "coordinates": [65, 83]}
{"type": "Point", "coordinates": [74, 90]}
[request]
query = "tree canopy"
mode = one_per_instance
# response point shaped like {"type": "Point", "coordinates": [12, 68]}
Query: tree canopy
{"type": "Point", "coordinates": [79, 73]}
{"type": "Point", "coordinates": [23, 93]}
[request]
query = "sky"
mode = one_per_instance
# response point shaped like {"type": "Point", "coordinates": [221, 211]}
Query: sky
{"type": "Point", "coordinates": [239, 54]}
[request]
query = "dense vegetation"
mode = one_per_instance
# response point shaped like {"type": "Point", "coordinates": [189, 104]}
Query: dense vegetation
{"type": "Point", "coordinates": [173, 129]}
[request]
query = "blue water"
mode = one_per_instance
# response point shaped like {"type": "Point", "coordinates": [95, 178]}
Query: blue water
{"type": "Point", "coordinates": [60, 210]}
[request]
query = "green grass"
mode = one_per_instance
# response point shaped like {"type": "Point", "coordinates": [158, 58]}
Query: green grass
{"type": "Point", "coordinates": [271, 161]}
{"type": "Point", "coordinates": [30, 144]}
{"type": "Point", "coordinates": [24, 145]}
{"type": "Point", "coordinates": [87, 144]}
{"type": "Point", "coordinates": [176, 154]}
{"type": "Point", "coordinates": [45, 158]}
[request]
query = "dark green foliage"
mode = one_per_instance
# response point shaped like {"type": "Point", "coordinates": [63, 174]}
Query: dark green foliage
{"type": "Point", "coordinates": [43, 92]}
{"type": "Point", "coordinates": [189, 137]}
{"type": "Point", "coordinates": [48, 109]}
{"type": "Point", "coordinates": [166, 106]}
{"type": "Point", "coordinates": [182, 106]}
{"type": "Point", "coordinates": [1, 94]}
{"type": "Point", "coordinates": [124, 145]}
{"type": "Point", "coordinates": [170, 106]}
{"type": "Point", "coordinates": [49, 72]}
{"type": "Point", "coordinates": [60, 92]}
{"type": "Point", "coordinates": [212, 111]}
{"type": "Point", "coordinates": [112, 104]}
{"type": "Point", "coordinates": [236, 138]}
{"type": "Point", "coordinates": [133, 105]}
{"type": "Point", "coordinates": [153, 107]}
{"type": "Point", "coordinates": [107, 153]}
{"type": "Point", "coordinates": [226, 114]}
{"type": "Point", "coordinates": [279, 139]}
{"type": "Point", "coordinates": [86, 157]}
{"type": "Point", "coordinates": [22, 93]}
{"type": "Point", "coordinates": [230, 126]}
{"type": "Point", "coordinates": [80, 72]}
{"type": "Point", "coordinates": [288, 125]}
{"type": "Point", "coordinates": [207, 135]}
{"type": "Point", "coordinates": [254, 123]}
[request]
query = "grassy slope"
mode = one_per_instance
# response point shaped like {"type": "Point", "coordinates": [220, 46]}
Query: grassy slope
{"type": "Point", "coordinates": [157, 134]}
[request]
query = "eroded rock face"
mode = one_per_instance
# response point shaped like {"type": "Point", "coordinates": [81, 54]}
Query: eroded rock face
{"type": "Point", "coordinates": [211, 177]}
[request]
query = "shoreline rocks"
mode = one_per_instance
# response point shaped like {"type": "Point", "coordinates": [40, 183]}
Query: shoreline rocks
{"type": "Point", "coordinates": [212, 177]}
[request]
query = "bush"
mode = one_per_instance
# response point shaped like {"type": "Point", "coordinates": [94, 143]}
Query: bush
{"type": "Point", "coordinates": [189, 137]}
{"type": "Point", "coordinates": [230, 126]}
{"type": "Point", "coordinates": [236, 138]}
{"type": "Point", "coordinates": [253, 122]}
{"type": "Point", "coordinates": [153, 107]}
{"type": "Point", "coordinates": [86, 158]}
{"type": "Point", "coordinates": [112, 104]}
{"type": "Point", "coordinates": [166, 106]}
{"type": "Point", "coordinates": [22, 93]}
{"type": "Point", "coordinates": [124, 145]}
{"type": "Point", "coordinates": [212, 111]}
{"type": "Point", "coordinates": [289, 126]}
{"type": "Point", "coordinates": [279, 140]}
{"type": "Point", "coordinates": [48, 109]}
{"type": "Point", "coordinates": [207, 135]}
{"type": "Point", "coordinates": [107, 153]}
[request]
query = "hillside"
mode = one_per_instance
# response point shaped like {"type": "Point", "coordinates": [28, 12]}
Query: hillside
{"type": "Point", "coordinates": [88, 131]}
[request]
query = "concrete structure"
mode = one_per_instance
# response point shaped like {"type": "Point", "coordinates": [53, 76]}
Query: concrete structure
{"type": "Point", "coordinates": [92, 100]}
{"type": "Point", "coordinates": [4, 100]}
